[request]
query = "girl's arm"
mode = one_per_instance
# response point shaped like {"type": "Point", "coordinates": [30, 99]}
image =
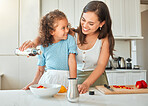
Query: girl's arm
{"type": "Point", "coordinates": [37, 77]}
{"type": "Point", "coordinates": [101, 64]}
{"type": "Point", "coordinates": [72, 65]}
{"type": "Point", "coordinates": [30, 44]}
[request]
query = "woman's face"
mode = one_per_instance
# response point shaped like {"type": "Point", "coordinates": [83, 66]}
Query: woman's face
{"type": "Point", "coordinates": [89, 23]}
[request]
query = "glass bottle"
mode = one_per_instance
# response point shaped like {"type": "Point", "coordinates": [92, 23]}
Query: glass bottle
{"type": "Point", "coordinates": [28, 52]}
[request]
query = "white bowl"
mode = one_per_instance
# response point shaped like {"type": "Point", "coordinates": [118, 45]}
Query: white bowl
{"type": "Point", "coordinates": [50, 90]}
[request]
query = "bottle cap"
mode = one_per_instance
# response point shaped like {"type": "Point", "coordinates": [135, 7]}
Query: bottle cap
{"type": "Point", "coordinates": [91, 92]}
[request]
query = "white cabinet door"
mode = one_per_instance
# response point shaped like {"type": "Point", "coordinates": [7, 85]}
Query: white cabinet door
{"type": "Point", "coordinates": [110, 78]}
{"type": "Point", "coordinates": [29, 19]}
{"type": "Point", "coordinates": [67, 6]}
{"type": "Point", "coordinates": [9, 67]}
{"type": "Point", "coordinates": [117, 78]}
{"type": "Point", "coordinates": [120, 78]}
{"type": "Point", "coordinates": [8, 26]}
{"type": "Point", "coordinates": [117, 12]}
{"type": "Point", "coordinates": [132, 16]}
{"type": "Point", "coordinates": [125, 77]}
{"type": "Point", "coordinates": [27, 70]}
{"type": "Point", "coordinates": [126, 21]}
{"type": "Point", "coordinates": [48, 5]}
{"type": "Point", "coordinates": [136, 76]}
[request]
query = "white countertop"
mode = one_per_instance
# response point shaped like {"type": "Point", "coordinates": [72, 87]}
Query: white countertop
{"type": "Point", "coordinates": [26, 98]}
{"type": "Point", "coordinates": [125, 70]}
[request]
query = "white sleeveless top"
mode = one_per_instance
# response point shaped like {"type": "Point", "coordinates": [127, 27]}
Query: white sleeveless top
{"type": "Point", "coordinates": [87, 59]}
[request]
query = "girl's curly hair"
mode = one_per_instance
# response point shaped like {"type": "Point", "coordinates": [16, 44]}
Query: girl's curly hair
{"type": "Point", "coordinates": [48, 23]}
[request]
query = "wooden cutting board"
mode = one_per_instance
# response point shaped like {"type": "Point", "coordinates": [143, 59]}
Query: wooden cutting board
{"type": "Point", "coordinates": [122, 90]}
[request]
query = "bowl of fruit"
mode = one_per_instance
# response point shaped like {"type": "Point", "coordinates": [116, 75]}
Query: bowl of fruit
{"type": "Point", "coordinates": [45, 90]}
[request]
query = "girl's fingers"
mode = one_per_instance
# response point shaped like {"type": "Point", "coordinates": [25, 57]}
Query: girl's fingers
{"type": "Point", "coordinates": [26, 45]}
{"type": "Point", "coordinates": [22, 46]}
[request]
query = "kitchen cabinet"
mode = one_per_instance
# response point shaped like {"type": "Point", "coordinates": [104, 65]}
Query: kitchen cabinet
{"type": "Point", "coordinates": [48, 5]}
{"type": "Point", "coordinates": [68, 8]}
{"type": "Point", "coordinates": [126, 20]}
{"type": "Point", "coordinates": [29, 20]}
{"type": "Point", "coordinates": [27, 70]}
{"type": "Point", "coordinates": [125, 14]}
{"type": "Point", "coordinates": [125, 77]}
{"type": "Point", "coordinates": [9, 26]}
{"type": "Point", "coordinates": [9, 67]}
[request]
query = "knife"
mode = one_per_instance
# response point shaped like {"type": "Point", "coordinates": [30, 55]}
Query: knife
{"type": "Point", "coordinates": [108, 87]}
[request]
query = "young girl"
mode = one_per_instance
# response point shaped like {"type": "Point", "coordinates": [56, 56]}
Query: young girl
{"type": "Point", "coordinates": [58, 51]}
{"type": "Point", "coordinates": [95, 43]}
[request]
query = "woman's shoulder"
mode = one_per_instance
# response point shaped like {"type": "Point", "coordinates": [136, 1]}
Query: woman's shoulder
{"type": "Point", "coordinates": [104, 39]}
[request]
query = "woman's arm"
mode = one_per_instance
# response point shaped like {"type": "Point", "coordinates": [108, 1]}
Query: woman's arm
{"type": "Point", "coordinates": [37, 77]}
{"type": "Point", "coordinates": [101, 64]}
{"type": "Point", "coordinates": [30, 44]}
{"type": "Point", "coordinates": [72, 65]}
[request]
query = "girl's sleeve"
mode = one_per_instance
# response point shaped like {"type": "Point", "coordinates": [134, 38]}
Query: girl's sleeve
{"type": "Point", "coordinates": [72, 47]}
{"type": "Point", "coordinates": [41, 58]}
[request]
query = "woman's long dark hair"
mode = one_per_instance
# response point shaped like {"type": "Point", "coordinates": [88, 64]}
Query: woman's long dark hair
{"type": "Point", "coordinates": [101, 10]}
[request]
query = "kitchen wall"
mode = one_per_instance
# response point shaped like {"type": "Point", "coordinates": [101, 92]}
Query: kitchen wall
{"type": "Point", "coordinates": [122, 48]}
{"type": "Point", "coordinates": [19, 22]}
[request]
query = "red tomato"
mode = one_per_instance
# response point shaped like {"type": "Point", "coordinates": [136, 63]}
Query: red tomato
{"type": "Point", "coordinates": [139, 84]}
{"type": "Point", "coordinates": [144, 84]}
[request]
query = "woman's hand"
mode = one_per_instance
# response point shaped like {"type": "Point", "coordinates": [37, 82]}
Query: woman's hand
{"type": "Point", "coordinates": [27, 44]}
{"type": "Point", "coordinates": [83, 88]}
{"type": "Point", "coordinates": [27, 87]}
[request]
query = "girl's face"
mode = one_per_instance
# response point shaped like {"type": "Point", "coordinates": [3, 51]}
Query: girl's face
{"type": "Point", "coordinates": [89, 23]}
{"type": "Point", "coordinates": [61, 30]}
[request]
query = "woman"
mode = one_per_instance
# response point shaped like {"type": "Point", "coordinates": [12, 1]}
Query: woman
{"type": "Point", "coordinates": [95, 43]}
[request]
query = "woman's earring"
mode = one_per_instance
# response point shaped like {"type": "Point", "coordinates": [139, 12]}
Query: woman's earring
{"type": "Point", "coordinates": [100, 28]}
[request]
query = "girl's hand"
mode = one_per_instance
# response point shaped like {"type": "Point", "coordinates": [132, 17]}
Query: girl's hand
{"type": "Point", "coordinates": [27, 87]}
{"type": "Point", "coordinates": [83, 88]}
{"type": "Point", "coordinates": [27, 44]}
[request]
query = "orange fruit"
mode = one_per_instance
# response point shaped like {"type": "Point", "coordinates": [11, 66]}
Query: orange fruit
{"type": "Point", "coordinates": [63, 89]}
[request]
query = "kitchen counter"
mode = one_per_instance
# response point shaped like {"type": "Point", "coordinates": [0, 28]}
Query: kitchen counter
{"type": "Point", "coordinates": [125, 76]}
{"type": "Point", "coordinates": [26, 98]}
{"type": "Point", "coordinates": [125, 70]}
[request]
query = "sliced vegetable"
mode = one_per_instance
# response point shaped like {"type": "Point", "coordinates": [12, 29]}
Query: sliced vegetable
{"type": "Point", "coordinates": [122, 87]}
{"type": "Point", "coordinates": [41, 86]}
{"type": "Point", "coordinates": [63, 89]}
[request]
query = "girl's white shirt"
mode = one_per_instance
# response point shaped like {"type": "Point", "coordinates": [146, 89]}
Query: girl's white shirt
{"type": "Point", "coordinates": [87, 59]}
